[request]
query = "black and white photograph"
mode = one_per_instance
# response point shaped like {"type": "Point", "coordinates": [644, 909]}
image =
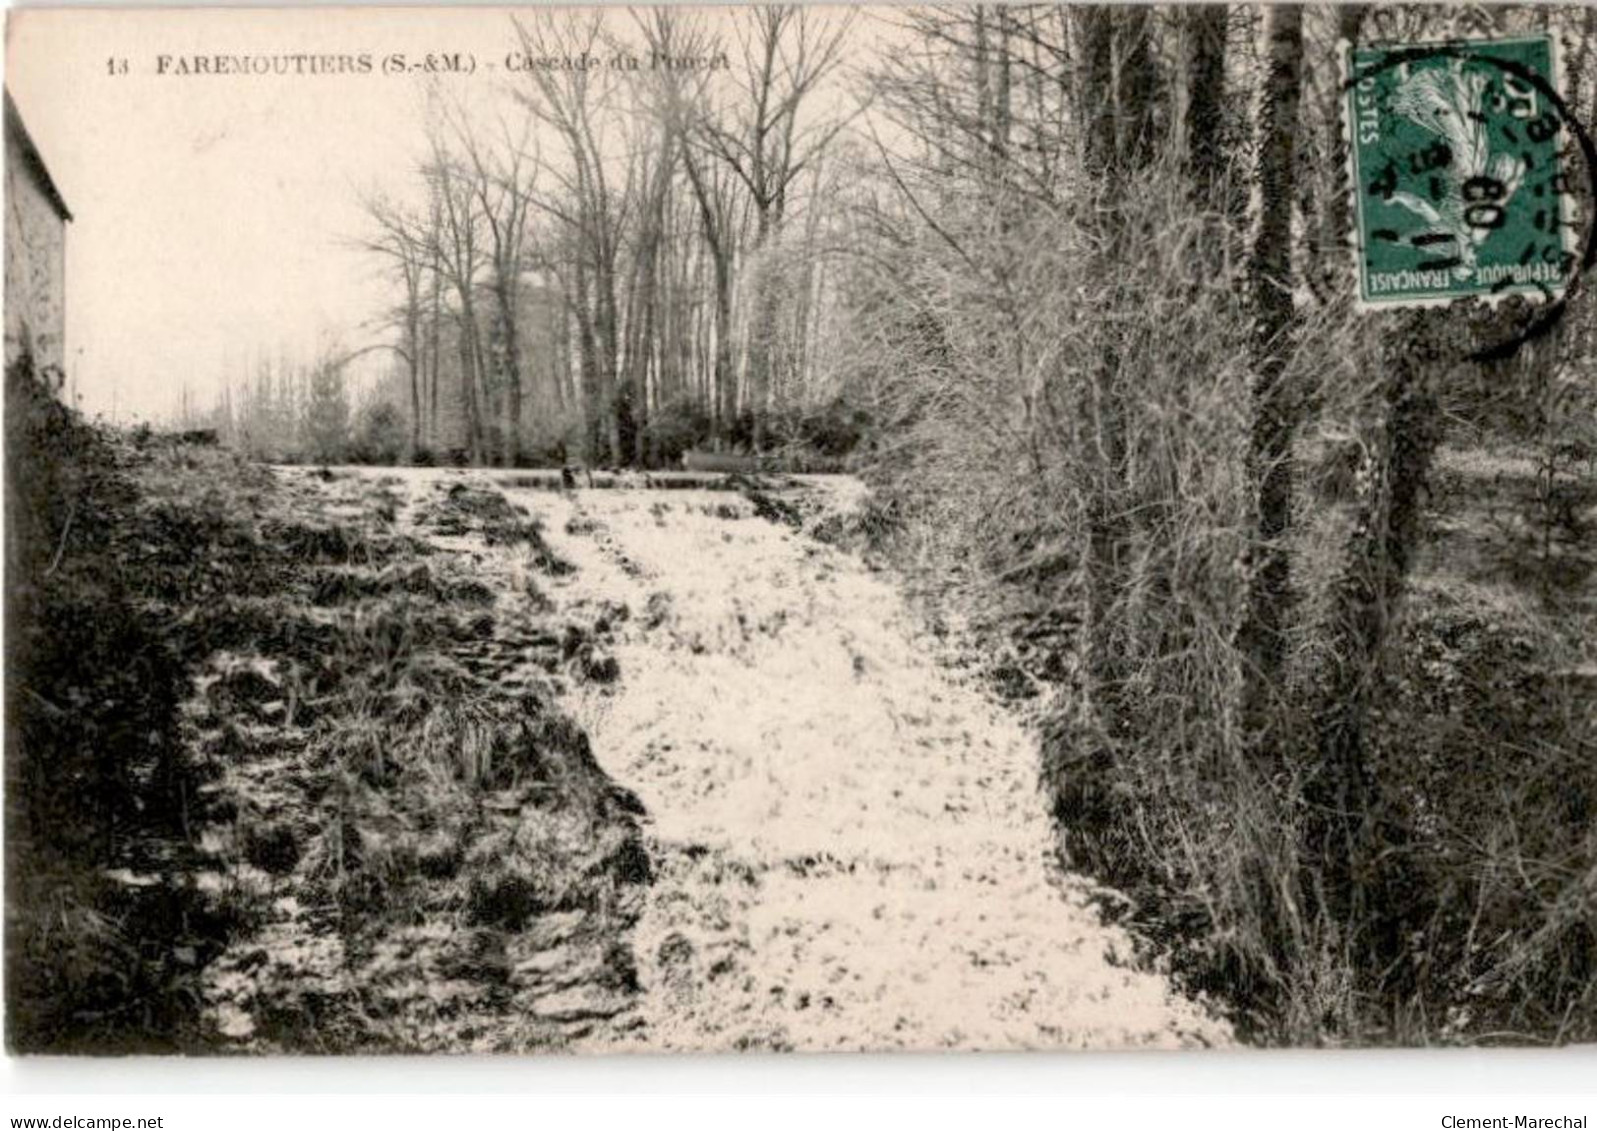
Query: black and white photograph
{"type": "Point", "coordinates": [800, 528]}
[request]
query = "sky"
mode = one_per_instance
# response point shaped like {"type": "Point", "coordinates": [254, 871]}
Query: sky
{"type": "Point", "coordinates": [214, 216]}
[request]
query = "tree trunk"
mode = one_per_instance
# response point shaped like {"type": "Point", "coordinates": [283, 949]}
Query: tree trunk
{"type": "Point", "coordinates": [725, 373]}
{"type": "Point", "coordinates": [482, 403]}
{"type": "Point", "coordinates": [1335, 218]}
{"type": "Point", "coordinates": [1094, 108]}
{"type": "Point", "coordinates": [435, 333]}
{"type": "Point", "coordinates": [593, 432]}
{"type": "Point", "coordinates": [414, 360]}
{"type": "Point", "coordinates": [512, 334]}
{"type": "Point", "coordinates": [560, 349]}
{"type": "Point", "coordinates": [1261, 636]}
{"type": "Point", "coordinates": [1118, 123]}
{"type": "Point", "coordinates": [1099, 408]}
{"type": "Point", "coordinates": [608, 329]}
{"type": "Point", "coordinates": [981, 67]}
{"type": "Point", "coordinates": [1002, 98]}
{"type": "Point", "coordinates": [468, 390]}
{"type": "Point", "coordinates": [638, 361]}
{"type": "Point", "coordinates": [1364, 601]}
{"type": "Point", "coordinates": [1205, 63]}
{"type": "Point", "coordinates": [762, 331]}
{"type": "Point", "coordinates": [1134, 96]}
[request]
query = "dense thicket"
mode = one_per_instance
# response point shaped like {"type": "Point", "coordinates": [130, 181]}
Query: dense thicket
{"type": "Point", "coordinates": [1250, 540]}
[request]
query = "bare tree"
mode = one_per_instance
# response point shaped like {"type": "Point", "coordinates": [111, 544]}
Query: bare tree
{"type": "Point", "coordinates": [458, 245]}
{"type": "Point", "coordinates": [502, 181]}
{"type": "Point", "coordinates": [664, 108]}
{"type": "Point", "coordinates": [405, 240]}
{"type": "Point", "coordinates": [592, 203]}
{"type": "Point", "coordinates": [768, 135]}
{"type": "Point", "coordinates": [715, 192]}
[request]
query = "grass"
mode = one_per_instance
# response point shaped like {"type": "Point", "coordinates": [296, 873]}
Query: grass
{"type": "Point", "coordinates": [415, 789]}
{"type": "Point", "coordinates": [335, 805]}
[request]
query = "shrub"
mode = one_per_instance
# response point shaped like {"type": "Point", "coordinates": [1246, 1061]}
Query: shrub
{"type": "Point", "coordinates": [676, 427]}
{"type": "Point", "coordinates": [379, 435]}
{"type": "Point", "coordinates": [326, 424]}
{"type": "Point", "coordinates": [834, 428]}
{"type": "Point", "coordinates": [1486, 756]}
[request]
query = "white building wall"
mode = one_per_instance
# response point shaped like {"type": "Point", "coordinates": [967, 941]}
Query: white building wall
{"type": "Point", "coordinates": [35, 263]}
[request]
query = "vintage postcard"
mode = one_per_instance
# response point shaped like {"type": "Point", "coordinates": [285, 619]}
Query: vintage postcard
{"type": "Point", "coordinates": [800, 528]}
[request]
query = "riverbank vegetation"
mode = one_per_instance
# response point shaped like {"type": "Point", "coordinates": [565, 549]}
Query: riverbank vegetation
{"type": "Point", "coordinates": [1305, 593]}
{"type": "Point", "coordinates": [1302, 594]}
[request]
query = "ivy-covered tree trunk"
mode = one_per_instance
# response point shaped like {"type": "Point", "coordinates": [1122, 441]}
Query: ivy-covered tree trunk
{"type": "Point", "coordinates": [1336, 219]}
{"type": "Point", "coordinates": [1094, 108]}
{"type": "Point", "coordinates": [1269, 596]}
{"type": "Point", "coordinates": [1364, 602]}
{"type": "Point", "coordinates": [1117, 96]}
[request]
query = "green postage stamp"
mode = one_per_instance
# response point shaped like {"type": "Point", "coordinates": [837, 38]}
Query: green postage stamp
{"type": "Point", "coordinates": [1458, 154]}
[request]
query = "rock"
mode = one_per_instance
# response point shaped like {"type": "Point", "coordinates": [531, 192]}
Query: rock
{"type": "Point", "coordinates": [599, 669]}
{"type": "Point", "coordinates": [581, 1003]}
{"type": "Point", "coordinates": [674, 950]}
{"type": "Point", "coordinates": [507, 900]}
{"type": "Point", "coordinates": [657, 610]}
{"type": "Point", "coordinates": [572, 641]}
{"type": "Point", "coordinates": [272, 848]}
{"type": "Point", "coordinates": [546, 962]}
{"type": "Point", "coordinates": [438, 856]}
{"type": "Point", "coordinates": [629, 863]}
